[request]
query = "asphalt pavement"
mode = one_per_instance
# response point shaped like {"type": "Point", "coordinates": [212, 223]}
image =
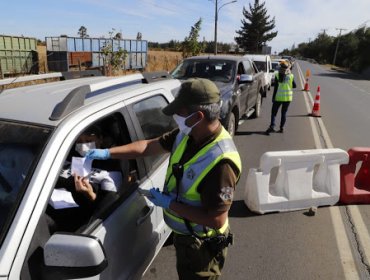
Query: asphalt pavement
{"type": "Point", "coordinates": [290, 245]}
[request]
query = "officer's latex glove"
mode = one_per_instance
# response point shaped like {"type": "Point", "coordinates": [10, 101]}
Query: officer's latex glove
{"type": "Point", "coordinates": [159, 199]}
{"type": "Point", "coordinates": [101, 154]}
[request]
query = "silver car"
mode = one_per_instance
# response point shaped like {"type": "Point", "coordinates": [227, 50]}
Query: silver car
{"type": "Point", "coordinates": [38, 128]}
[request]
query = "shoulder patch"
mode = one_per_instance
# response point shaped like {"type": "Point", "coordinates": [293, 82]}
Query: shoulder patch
{"type": "Point", "coordinates": [227, 194]}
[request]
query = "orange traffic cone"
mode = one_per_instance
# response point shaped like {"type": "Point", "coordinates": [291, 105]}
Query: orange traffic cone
{"type": "Point", "coordinates": [316, 104]}
{"type": "Point", "coordinates": [306, 85]}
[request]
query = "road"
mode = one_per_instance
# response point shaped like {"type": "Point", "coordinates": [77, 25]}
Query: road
{"type": "Point", "coordinates": [333, 244]}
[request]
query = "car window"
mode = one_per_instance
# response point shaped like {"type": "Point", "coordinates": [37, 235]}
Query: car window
{"type": "Point", "coordinates": [152, 120]}
{"type": "Point", "coordinates": [71, 209]}
{"type": "Point", "coordinates": [248, 68]}
{"type": "Point", "coordinates": [261, 65]}
{"type": "Point", "coordinates": [241, 69]}
{"type": "Point", "coordinates": [20, 148]}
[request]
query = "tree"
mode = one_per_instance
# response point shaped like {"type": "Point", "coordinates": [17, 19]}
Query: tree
{"type": "Point", "coordinates": [112, 60]}
{"type": "Point", "coordinates": [118, 36]}
{"type": "Point", "coordinates": [256, 27]}
{"type": "Point", "coordinates": [83, 32]}
{"type": "Point", "coordinates": [191, 46]}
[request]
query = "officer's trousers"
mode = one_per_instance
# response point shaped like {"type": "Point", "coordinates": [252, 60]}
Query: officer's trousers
{"type": "Point", "coordinates": [195, 260]}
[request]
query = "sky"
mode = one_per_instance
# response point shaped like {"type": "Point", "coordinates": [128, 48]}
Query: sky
{"type": "Point", "coordinates": [296, 21]}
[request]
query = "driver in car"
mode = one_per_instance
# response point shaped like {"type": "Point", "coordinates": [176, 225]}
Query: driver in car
{"type": "Point", "coordinates": [85, 192]}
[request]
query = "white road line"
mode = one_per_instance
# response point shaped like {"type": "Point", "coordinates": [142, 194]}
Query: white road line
{"type": "Point", "coordinates": [308, 96]}
{"type": "Point", "coordinates": [345, 252]}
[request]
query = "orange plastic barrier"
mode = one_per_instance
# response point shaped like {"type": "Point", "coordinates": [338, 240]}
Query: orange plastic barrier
{"type": "Point", "coordinates": [355, 187]}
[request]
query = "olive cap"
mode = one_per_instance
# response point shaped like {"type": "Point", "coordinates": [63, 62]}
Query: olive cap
{"type": "Point", "coordinates": [194, 91]}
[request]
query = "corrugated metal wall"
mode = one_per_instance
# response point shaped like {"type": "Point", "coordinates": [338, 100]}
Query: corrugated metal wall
{"type": "Point", "coordinates": [17, 55]}
{"type": "Point", "coordinates": [87, 52]}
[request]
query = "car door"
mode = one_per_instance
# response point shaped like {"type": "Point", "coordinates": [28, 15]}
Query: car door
{"type": "Point", "coordinates": [242, 90]}
{"type": "Point", "coordinates": [253, 86]}
{"type": "Point", "coordinates": [124, 221]}
{"type": "Point", "coordinates": [129, 233]}
{"type": "Point", "coordinates": [152, 123]}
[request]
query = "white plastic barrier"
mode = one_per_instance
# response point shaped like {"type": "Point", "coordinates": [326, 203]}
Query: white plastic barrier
{"type": "Point", "coordinates": [304, 179]}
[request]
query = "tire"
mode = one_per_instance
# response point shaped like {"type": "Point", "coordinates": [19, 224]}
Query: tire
{"type": "Point", "coordinates": [257, 107]}
{"type": "Point", "coordinates": [230, 124]}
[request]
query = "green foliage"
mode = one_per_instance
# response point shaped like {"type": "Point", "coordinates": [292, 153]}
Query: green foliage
{"type": "Point", "coordinates": [191, 46]}
{"type": "Point", "coordinates": [353, 49]}
{"type": "Point", "coordinates": [255, 29]}
{"type": "Point", "coordinates": [113, 60]}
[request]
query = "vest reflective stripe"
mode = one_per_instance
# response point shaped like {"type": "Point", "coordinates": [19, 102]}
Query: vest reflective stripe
{"type": "Point", "coordinates": [285, 89]}
{"type": "Point", "coordinates": [195, 170]}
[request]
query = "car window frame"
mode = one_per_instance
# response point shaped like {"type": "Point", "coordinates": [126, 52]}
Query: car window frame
{"type": "Point", "coordinates": [150, 168]}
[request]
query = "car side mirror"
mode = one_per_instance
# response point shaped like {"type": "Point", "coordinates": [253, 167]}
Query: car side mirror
{"type": "Point", "coordinates": [71, 256]}
{"type": "Point", "coordinates": [272, 71]}
{"type": "Point", "coordinates": [245, 78]}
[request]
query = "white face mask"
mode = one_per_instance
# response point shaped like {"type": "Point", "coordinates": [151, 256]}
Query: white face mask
{"type": "Point", "coordinates": [82, 148]}
{"type": "Point", "coordinates": [181, 123]}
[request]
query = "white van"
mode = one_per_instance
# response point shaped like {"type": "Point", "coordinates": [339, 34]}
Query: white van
{"type": "Point", "coordinates": [263, 63]}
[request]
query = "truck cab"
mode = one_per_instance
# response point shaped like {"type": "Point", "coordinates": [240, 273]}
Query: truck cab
{"type": "Point", "coordinates": [263, 63]}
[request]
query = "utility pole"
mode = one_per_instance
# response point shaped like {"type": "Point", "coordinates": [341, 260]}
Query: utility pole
{"type": "Point", "coordinates": [217, 10]}
{"type": "Point", "coordinates": [324, 30]}
{"type": "Point", "coordinates": [336, 49]}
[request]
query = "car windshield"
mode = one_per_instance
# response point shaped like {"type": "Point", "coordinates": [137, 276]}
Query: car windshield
{"type": "Point", "coordinates": [215, 70]}
{"type": "Point", "coordinates": [261, 65]}
{"type": "Point", "coordinates": [20, 147]}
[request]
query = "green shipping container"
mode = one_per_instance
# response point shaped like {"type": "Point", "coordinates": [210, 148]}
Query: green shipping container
{"type": "Point", "coordinates": [18, 55]}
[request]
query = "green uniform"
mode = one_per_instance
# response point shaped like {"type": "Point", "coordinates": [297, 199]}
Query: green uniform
{"type": "Point", "coordinates": [195, 259]}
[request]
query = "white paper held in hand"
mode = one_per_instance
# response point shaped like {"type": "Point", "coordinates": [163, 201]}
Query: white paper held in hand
{"type": "Point", "coordinates": [81, 166]}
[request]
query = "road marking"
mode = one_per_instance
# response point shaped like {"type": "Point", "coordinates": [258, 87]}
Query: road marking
{"type": "Point", "coordinates": [345, 252]}
{"type": "Point", "coordinates": [308, 96]}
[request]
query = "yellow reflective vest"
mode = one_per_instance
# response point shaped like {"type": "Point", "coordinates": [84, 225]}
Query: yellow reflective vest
{"type": "Point", "coordinates": [285, 89]}
{"type": "Point", "coordinates": [195, 170]}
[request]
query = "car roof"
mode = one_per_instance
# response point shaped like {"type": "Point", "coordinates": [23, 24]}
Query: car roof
{"type": "Point", "coordinates": [49, 103]}
{"type": "Point", "coordinates": [258, 57]}
{"type": "Point", "coordinates": [216, 57]}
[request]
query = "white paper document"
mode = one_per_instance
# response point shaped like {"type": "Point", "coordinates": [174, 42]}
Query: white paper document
{"type": "Point", "coordinates": [81, 166]}
{"type": "Point", "coordinates": [61, 198]}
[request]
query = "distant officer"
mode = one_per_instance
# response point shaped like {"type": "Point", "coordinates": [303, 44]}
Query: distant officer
{"type": "Point", "coordinates": [201, 177]}
{"type": "Point", "coordinates": [283, 95]}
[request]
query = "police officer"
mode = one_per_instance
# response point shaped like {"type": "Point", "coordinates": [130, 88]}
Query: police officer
{"type": "Point", "coordinates": [283, 95]}
{"type": "Point", "coordinates": [201, 177]}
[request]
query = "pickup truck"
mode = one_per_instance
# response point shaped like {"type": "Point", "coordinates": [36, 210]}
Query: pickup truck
{"type": "Point", "coordinates": [41, 234]}
{"type": "Point", "coordinates": [239, 81]}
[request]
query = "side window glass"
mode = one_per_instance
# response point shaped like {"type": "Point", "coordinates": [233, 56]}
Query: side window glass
{"type": "Point", "coordinates": [241, 69]}
{"type": "Point", "coordinates": [152, 120]}
{"type": "Point", "coordinates": [248, 68]}
{"type": "Point", "coordinates": [78, 201]}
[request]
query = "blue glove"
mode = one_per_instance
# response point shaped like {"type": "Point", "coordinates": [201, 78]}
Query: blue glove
{"type": "Point", "coordinates": [102, 154]}
{"type": "Point", "coordinates": [159, 199]}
